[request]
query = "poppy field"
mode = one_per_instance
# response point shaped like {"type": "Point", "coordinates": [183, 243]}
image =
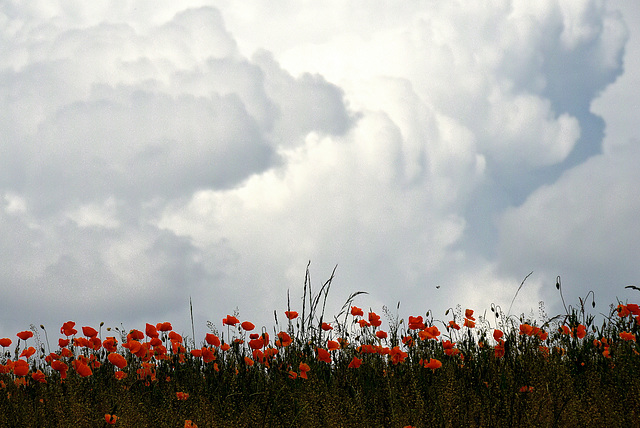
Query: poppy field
{"type": "Point", "coordinates": [360, 367]}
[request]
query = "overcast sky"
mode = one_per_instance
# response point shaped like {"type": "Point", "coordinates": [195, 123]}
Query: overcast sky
{"type": "Point", "coordinates": [436, 151]}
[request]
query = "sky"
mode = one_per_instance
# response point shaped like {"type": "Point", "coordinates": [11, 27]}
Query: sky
{"type": "Point", "coordinates": [436, 152]}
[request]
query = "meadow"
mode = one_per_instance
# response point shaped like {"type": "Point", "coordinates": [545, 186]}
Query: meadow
{"type": "Point", "coordinates": [359, 368]}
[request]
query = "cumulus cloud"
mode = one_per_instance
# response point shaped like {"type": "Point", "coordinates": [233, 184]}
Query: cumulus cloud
{"type": "Point", "coordinates": [163, 150]}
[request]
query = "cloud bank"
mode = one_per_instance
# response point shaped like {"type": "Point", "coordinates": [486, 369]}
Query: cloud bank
{"type": "Point", "coordinates": [436, 152]}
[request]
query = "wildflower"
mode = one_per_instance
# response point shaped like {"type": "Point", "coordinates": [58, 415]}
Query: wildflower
{"type": "Point", "coordinates": [256, 343]}
{"type": "Point", "coordinates": [292, 374]}
{"type": "Point", "coordinates": [429, 333]}
{"type": "Point", "coordinates": [526, 389]}
{"type": "Point", "coordinates": [397, 355]}
{"type": "Point", "coordinates": [363, 323]}
{"type": "Point", "coordinates": [634, 309]}
{"type": "Point", "coordinates": [468, 313]}
{"type": "Point", "coordinates": [581, 331]}
{"type": "Point", "coordinates": [39, 377]}
{"type": "Point", "coordinates": [374, 319]}
{"type": "Point", "coordinates": [24, 335]}
{"type": "Point", "coordinates": [381, 334]}
{"type": "Point", "coordinates": [110, 344]}
{"type": "Point", "coordinates": [452, 324]}
{"type": "Point", "coordinates": [189, 424]}
{"type": "Point", "coordinates": [623, 311]}
{"type": "Point", "coordinates": [182, 395]}
{"type": "Point", "coordinates": [120, 375]}
{"type": "Point", "coordinates": [291, 314]}
{"type": "Point", "coordinates": [499, 350]}
{"type": "Point", "coordinates": [230, 320]}
{"type": "Point", "coordinates": [175, 337]}
{"type": "Point", "coordinates": [332, 345]}
{"type": "Point", "coordinates": [324, 355]}
{"type": "Point", "coordinates": [151, 330]}
{"type": "Point", "coordinates": [82, 368]}
{"type": "Point", "coordinates": [449, 349]}
{"type": "Point", "coordinates": [356, 311]}
{"type": "Point", "coordinates": [117, 360]}
{"type": "Point", "coordinates": [355, 363]}
{"type": "Point", "coordinates": [326, 327]}
{"type": "Point", "coordinates": [225, 347]}
{"type": "Point", "coordinates": [432, 364]}
{"type": "Point", "coordinates": [5, 342]}
{"type": "Point", "coordinates": [212, 339]}
{"type": "Point", "coordinates": [408, 341]}
{"type": "Point", "coordinates": [164, 326]}
{"type": "Point", "coordinates": [469, 323]}
{"type": "Point", "coordinates": [248, 361]}
{"type": "Point", "coordinates": [567, 331]}
{"type": "Point", "coordinates": [248, 326]}
{"type": "Point", "coordinates": [304, 368]}
{"type": "Point", "coordinates": [28, 352]}
{"type": "Point", "coordinates": [416, 323]}
{"type": "Point", "coordinates": [497, 335]}
{"type": "Point", "coordinates": [20, 368]}
{"type": "Point", "coordinates": [89, 331]}
{"type": "Point", "coordinates": [624, 335]}
{"type": "Point", "coordinates": [110, 419]}
{"type": "Point", "coordinates": [284, 339]}
{"type": "Point", "coordinates": [526, 329]}
{"type": "Point", "coordinates": [135, 334]}
{"type": "Point", "coordinates": [67, 328]}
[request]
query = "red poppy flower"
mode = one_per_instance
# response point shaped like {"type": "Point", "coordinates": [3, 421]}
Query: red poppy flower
{"type": "Point", "coordinates": [324, 355]}
{"type": "Point", "coordinates": [212, 339]}
{"type": "Point", "coordinates": [4, 342]}
{"type": "Point", "coordinates": [416, 323]}
{"type": "Point", "coordinates": [374, 319]}
{"type": "Point", "coordinates": [256, 343]}
{"type": "Point", "coordinates": [356, 311]}
{"type": "Point", "coordinates": [89, 331]}
{"type": "Point", "coordinates": [117, 360]}
{"type": "Point", "coordinates": [24, 335]}
{"type": "Point", "coordinates": [284, 339]}
{"type": "Point", "coordinates": [230, 320]}
{"type": "Point", "coordinates": [248, 361]}
{"type": "Point", "coordinates": [468, 313]}
{"type": "Point", "coordinates": [67, 328]}
{"type": "Point", "coordinates": [497, 335]}
{"type": "Point", "coordinates": [355, 363]}
{"type": "Point", "coordinates": [625, 335]}
{"type": "Point", "coordinates": [247, 326]}
{"type": "Point", "coordinates": [452, 324]}
{"type": "Point", "coordinates": [110, 419]}
{"type": "Point", "coordinates": [432, 364]}
{"type": "Point", "coordinates": [151, 330]}
{"type": "Point", "coordinates": [164, 326]}
{"type": "Point", "coordinates": [381, 334]}
{"type": "Point", "coordinates": [332, 345]}
{"type": "Point", "coordinates": [20, 368]}
{"type": "Point", "coordinates": [136, 334]}
{"type": "Point", "coordinates": [82, 369]}
{"type": "Point", "coordinates": [469, 323]}
{"type": "Point", "coordinates": [39, 377]}
{"type": "Point", "coordinates": [28, 352]}
{"type": "Point", "coordinates": [175, 337]}
{"type": "Point", "coordinates": [291, 314]}
{"type": "Point", "coordinates": [326, 327]}
{"type": "Point", "coordinates": [182, 395]}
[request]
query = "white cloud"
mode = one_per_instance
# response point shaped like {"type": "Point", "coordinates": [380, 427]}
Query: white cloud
{"type": "Point", "coordinates": [155, 151]}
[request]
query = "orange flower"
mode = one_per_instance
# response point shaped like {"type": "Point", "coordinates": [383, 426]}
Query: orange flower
{"type": "Point", "coordinates": [416, 323]}
{"type": "Point", "coordinates": [151, 330]}
{"type": "Point", "coordinates": [117, 360]}
{"type": "Point", "coordinates": [89, 331]}
{"type": "Point", "coordinates": [120, 375]}
{"type": "Point", "coordinates": [28, 352]}
{"type": "Point", "coordinates": [67, 328]}
{"type": "Point", "coordinates": [624, 335]}
{"type": "Point", "coordinates": [326, 327]}
{"type": "Point", "coordinates": [225, 347]}
{"type": "Point", "coordinates": [324, 355]}
{"type": "Point", "coordinates": [381, 334]}
{"type": "Point", "coordinates": [284, 339]}
{"type": "Point", "coordinates": [110, 419]}
{"type": "Point", "coordinates": [355, 363]}
{"type": "Point", "coordinates": [581, 331]}
{"type": "Point", "coordinates": [247, 326]}
{"type": "Point", "coordinates": [634, 309]}
{"type": "Point", "coordinates": [39, 377]}
{"type": "Point", "coordinates": [497, 335]}
{"type": "Point", "coordinates": [374, 319]}
{"type": "Point", "coordinates": [59, 366]}
{"type": "Point", "coordinates": [469, 323]}
{"type": "Point", "coordinates": [5, 342]}
{"type": "Point", "coordinates": [292, 374]}
{"type": "Point", "coordinates": [175, 337]}
{"type": "Point", "coordinates": [363, 323]}
{"type": "Point", "coordinates": [356, 311]}
{"type": "Point", "coordinates": [182, 395]}
{"type": "Point", "coordinates": [408, 341]}
{"type": "Point", "coordinates": [24, 335]}
{"type": "Point", "coordinates": [397, 355]}
{"type": "Point", "coordinates": [81, 368]}
{"type": "Point", "coordinates": [623, 311]}
{"type": "Point", "coordinates": [212, 339]}
{"type": "Point", "coordinates": [468, 313]}
{"type": "Point", "coordinates": [452, 324]}
{"type": "Point", "coordinates": [304, 368]}
{"type": "Point", "coordinates": [291, 314]}
{"type": "Point", "coordinates": [248, 361]}
{"type": "Point", "coordinates": [20, 368]}
{"type": "Point", "coordinates": [432, 364]}
{"type": "Point", "coordinates": [256, 343]}
{"type": "Point", "coordinates": [230, 320]}
{"type": "Point", "coordinates": [136, 334]}
{"type": "Point", "coordinates": [332, 345]}
{"type": "Point", "coordinates": [164, 326]}
{"type": "Point", "coordinates": [189, 424]}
